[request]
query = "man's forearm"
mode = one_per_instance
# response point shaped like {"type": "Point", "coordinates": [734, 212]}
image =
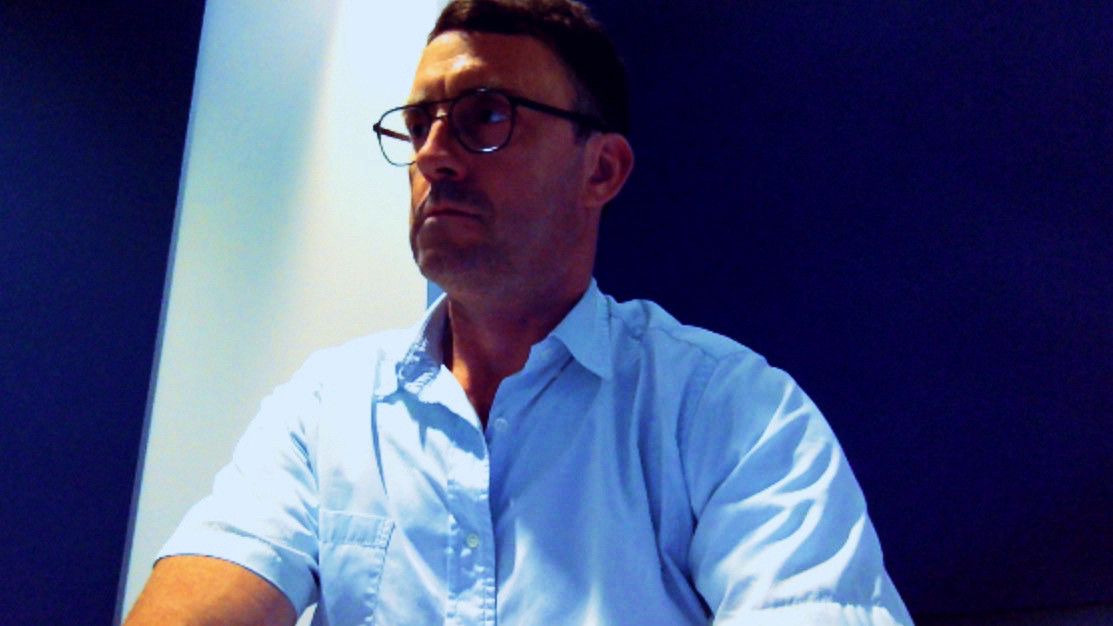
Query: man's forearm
{"type": "Point", "coordinates": [203, 590]}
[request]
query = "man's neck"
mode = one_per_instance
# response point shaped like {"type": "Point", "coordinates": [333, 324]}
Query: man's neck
{"type": "Point", "coordinates": [485, 343]}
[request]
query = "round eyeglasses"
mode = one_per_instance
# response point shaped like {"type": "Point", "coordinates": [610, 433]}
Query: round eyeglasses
{"type": "Point", "coordinates": [482, 121]}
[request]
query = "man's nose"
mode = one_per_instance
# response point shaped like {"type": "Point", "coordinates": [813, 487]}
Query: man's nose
{"type": "Point", "coordinates": [439, 156]}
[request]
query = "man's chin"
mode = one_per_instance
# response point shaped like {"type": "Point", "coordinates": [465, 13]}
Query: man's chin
{"type": "Point", "coordinates": [456, 271]}
{"type": "Point", "coordinates": [443, 267]}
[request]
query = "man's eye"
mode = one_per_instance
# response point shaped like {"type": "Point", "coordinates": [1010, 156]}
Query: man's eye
{"type": "Point", "coordinates": [417, 130]}
{"type": "Point", "coordinates": [416, 122]}
{"type": "Point", "coordinates": [490, 115]}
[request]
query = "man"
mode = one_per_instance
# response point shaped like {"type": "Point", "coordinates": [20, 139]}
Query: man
{"type": "Point", "coordinates": [531, 452]}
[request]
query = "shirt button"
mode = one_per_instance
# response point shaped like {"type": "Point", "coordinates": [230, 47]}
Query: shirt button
{"type": "Point", "coordinates": [473, 540]}
{"type": "Point", "coordinates": [501, 424]}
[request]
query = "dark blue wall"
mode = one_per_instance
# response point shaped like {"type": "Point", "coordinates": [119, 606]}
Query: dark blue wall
{"type": "Point", "coordinates": [94, 102]}
{"type": "Point", "coordinates": [906, 205]}
{"type": "Point", "coordinates": [909, 207]}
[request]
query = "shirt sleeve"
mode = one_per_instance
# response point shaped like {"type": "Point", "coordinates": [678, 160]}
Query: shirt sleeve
{"type": "Point", "coordinates": [782, 535]}
{"type": "Point", "coordinates": [262, 512]}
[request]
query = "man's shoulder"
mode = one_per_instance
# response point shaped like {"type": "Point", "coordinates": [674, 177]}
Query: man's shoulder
{"type": "Point", "coordinates": [362, 351]}
{"type": "Point", "coordinates": [646, 324]}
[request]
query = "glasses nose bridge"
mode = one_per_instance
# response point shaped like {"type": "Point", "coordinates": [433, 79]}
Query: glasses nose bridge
{"type": "Point", "coordinates": [442, 111]}
{"type": "Point", "coordinates": [438, 111]}
{"type": "Point", "coordinates": [443, 116]}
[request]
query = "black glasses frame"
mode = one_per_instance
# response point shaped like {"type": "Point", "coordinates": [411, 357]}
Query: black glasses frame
{"type": "Point", "coordinates": [585, 120]}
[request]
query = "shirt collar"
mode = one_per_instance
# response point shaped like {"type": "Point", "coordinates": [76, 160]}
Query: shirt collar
{"type": "Point", "coordinates": [584, 331]}
{"type": "Point", "coordinates": [423, 360]}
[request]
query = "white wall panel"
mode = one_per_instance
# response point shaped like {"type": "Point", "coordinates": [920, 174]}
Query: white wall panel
{"type": "Point", "coordinates": [291, 230]}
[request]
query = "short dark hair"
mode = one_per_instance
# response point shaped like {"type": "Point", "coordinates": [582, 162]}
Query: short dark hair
{"type": "Point", "coordinates": [569, 30]}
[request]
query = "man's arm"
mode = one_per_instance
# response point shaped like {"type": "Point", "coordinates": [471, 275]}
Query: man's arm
{"type": "Point", "coordinates": [258, 526]}
{"type": "Point", "coordinates": [204, 590]}
{"type": "Point", "coordinates": [782, 533]}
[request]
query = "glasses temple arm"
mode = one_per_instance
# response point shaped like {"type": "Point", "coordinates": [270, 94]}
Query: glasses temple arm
{"type": "Point", "coordinates": [390, 133]}
{"type": "Point", "coordinates": [580, 118]}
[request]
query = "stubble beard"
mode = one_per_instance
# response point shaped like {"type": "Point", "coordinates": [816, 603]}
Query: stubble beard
{"type": "Point", "coordinates": [457, 266]}
{"type": "Point", "coordinates": [454, 264]}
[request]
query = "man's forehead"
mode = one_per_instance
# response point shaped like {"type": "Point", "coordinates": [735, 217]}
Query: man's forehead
{"type": "Point", "coordinates": [456, 61]}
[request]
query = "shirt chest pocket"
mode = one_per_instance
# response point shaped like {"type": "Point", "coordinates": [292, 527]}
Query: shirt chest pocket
{"type": "Point", "coordinates": [352, 555]}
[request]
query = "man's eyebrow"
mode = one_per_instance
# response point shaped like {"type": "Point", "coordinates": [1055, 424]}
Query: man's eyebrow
{"type": "Point", "coordinates": [485, 87]}
{"type": "Point", "coordinates": [418, 102]}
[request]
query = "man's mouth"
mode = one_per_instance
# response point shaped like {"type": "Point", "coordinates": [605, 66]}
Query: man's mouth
{"type": "Point", "coordinates": [452, 199]}
{"type": "Point", "coordinates": [438, 211]}
{"type": "Point", "coordinates": [448, 212]}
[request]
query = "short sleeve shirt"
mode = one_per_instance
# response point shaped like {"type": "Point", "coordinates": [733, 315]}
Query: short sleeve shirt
{"type": "Point", "coordinates": [635, 471]}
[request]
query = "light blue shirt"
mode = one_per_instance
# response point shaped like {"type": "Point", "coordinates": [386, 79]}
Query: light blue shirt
{"type": "Point", "coordinates": [635, 471]}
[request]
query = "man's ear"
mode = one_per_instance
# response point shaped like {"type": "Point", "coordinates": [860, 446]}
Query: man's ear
{"type": "Point", "coordinates": [611, 162]}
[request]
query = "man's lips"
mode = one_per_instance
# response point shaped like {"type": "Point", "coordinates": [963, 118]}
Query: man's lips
{"type": "Point", "coordinates": [451, 198]}
{"type": "Point", "coordinates": [440, 210]}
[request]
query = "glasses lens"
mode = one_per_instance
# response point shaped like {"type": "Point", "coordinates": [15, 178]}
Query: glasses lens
{"type": "Point", "coordinates": [482, 121]}
{"type": "Point", "coordinates": [399, 131]}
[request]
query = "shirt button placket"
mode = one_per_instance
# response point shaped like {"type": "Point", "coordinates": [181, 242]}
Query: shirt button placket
{"type": "Point", "coordinates": [471, 560]}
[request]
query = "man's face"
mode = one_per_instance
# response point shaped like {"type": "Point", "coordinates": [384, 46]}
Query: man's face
{"type": "Point", "coordinates": [509, 222]}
